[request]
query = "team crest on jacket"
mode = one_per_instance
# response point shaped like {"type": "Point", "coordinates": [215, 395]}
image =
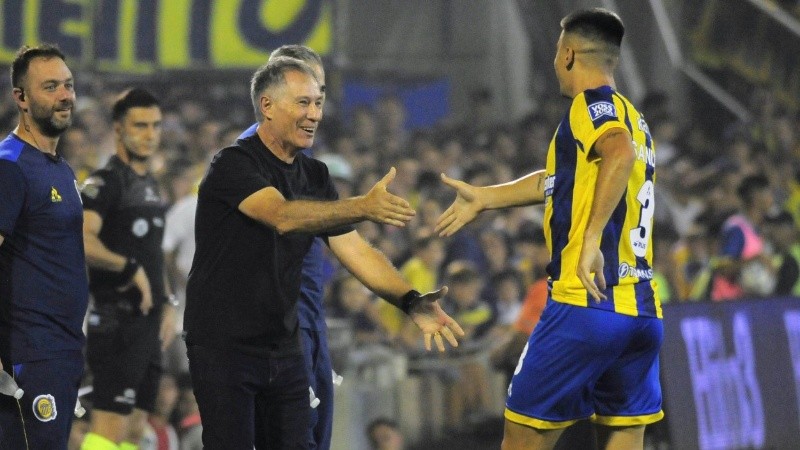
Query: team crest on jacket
{"type": "Point", "coordinates": [44, 408]}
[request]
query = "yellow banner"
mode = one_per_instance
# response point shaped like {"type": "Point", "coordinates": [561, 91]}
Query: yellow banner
{"type": "Point", "coordinates": [142, 36]}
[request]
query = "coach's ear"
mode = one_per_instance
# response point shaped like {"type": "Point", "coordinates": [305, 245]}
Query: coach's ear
{"type": "Point", "coordinates": [265, 105]}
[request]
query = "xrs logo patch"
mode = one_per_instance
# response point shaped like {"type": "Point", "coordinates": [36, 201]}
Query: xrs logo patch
{"type": "Point", "coordinates": [44, 408]}
{"type": "Point", "coordinates": [600, 109]}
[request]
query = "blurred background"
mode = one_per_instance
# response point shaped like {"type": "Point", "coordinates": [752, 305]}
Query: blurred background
{"type": "Point", "coordinates": [466, 87]}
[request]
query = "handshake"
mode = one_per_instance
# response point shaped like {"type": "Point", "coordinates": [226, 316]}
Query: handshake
{"type": "Point", "coordinates": [381, 206]}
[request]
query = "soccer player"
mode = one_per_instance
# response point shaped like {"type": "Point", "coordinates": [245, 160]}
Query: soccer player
{"type": "Point", "coordinates": [594, 353]}
{"type": "Point", "coordinates": [132, 317]}
{"type": "Point", "coordinates": [43, 285]}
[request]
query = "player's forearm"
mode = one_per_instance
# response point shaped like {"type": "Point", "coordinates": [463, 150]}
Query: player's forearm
{"type": "Point", "coordinates": [612, 179]}
{"type": "Point", "coordinates": [308, 216]}
{"type": "Point", "coordinates": [524, 191]}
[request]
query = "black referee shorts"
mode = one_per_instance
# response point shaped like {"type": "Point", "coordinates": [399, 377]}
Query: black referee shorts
{"type": "Point", "coordinates": [123, 351]}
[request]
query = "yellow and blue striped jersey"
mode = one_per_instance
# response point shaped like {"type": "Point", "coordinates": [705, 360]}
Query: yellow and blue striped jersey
{"type": "Point", "coordinates": [569, 192]}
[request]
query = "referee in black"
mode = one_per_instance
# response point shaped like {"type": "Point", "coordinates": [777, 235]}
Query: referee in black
{"type": "Point", "coordinates": [132, 317]}
{"type": "Point", "coordinates": [260, 205]}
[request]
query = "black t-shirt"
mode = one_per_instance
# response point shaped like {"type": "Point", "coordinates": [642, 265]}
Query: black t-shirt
{"type": "Point", "coordinates": [133, 225]}
{"type": "Point", "coordinates": [245, 279]}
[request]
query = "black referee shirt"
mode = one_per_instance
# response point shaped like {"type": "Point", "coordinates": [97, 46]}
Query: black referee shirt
{"type": "Point", "coordinates": [133, 225]}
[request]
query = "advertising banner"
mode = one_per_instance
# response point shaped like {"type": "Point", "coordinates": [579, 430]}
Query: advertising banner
{"type": "Point", "coordinates": [731, 374]}
{"type": "Point", "coordinates": [142, 36]}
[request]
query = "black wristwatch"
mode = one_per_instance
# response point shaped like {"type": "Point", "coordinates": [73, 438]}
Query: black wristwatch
{"type": "Point", "coordinates": [408, 300]}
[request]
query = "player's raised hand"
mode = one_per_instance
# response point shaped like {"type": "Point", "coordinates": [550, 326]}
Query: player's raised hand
{"type": "Point", "coordinates": [428, 315]}
{"type": "Point", "coordinates": [462, 211]}
{"type": "Point", "coordinates": [381, 206]}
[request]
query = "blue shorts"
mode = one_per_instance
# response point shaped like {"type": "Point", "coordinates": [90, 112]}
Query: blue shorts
{"type": "Point", "coordinates": [43, 416]}
{"type": "Point", "coordinates": [587, 363]}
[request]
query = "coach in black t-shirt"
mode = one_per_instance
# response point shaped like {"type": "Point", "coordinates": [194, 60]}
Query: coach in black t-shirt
{"type": "Point", "coordinates": [259, 207]}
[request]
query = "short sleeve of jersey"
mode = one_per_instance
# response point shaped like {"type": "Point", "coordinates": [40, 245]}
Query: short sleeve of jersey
{"type": "Point", "coordinates": [594, 112]}
{"type": "Point", "coordinates": [12, 195]}
{"type": "Point", "coordinates": [100, 192]}
{"type": "Point", "coordinates": [233, 176]}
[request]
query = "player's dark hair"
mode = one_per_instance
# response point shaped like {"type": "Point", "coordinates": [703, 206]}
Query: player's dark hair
{"type": "Point", "coordinates": [511, 275]}
{"type": "Point", "coordinates": [598, 24]}
{"type": "Point", "coordinates": [22, 60]}
{"type": "Point", "coordinates": [132, 98]}
{"type": "Point", "coordinates": [750, 185]}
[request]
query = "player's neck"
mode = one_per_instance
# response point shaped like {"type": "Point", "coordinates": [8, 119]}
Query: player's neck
{"type": "Point", "coordinates": [139, 166]}
{"type": "Point", "coordinates": [592, 80]}
{"type": "Point", "coordinates": [35, 138]}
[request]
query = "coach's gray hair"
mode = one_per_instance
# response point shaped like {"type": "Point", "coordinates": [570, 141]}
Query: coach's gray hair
{"type": "Point", "coordinates": [273, 74]}
{"type": "Point", "coordinates": [297, 51]}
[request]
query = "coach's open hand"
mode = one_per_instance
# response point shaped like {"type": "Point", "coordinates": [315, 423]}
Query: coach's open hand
{"type": "Point", "coordinates": [434, 322]}
{"type": "Point", "coordinates": [381, 206]}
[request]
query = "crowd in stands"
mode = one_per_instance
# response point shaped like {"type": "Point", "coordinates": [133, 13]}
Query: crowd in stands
{"type": "Point", "coordinates": [728, 209]}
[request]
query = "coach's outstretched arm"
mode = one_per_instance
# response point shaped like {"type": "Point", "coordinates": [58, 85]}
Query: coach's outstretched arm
{"type": "Point", "coordinates": [374, 270]}
{"type": "Point", "coordinates": [309, 216]}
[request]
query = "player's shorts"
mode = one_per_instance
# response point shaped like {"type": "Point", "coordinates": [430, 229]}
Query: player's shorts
{"type": "Point", "coordinates": [587, 363]}
{"type": "Point", "coordinates": [124, 355]}
{"type": "Point", "coordinates": [42, 418]}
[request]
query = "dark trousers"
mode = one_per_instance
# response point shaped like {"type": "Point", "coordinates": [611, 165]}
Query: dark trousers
{"type": "Point", "coordinates": [247, 401]}
{"type": "Point", "coordinates": [42, 418]}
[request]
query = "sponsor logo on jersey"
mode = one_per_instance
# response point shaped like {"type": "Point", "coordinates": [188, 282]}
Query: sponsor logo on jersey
{"type": "Point", "coordinates": [150, 195]}
{"type": "Point", "coordinates": [140, 227]}
{"type": "Point", "coordinates": [128, 397]}
{"type": "Point", "coordinates": [643, 125]}
{"type": "Point", "coordinates": [44, 408]}
{"type": "Point", "coordinates": [626, 270]}
{"type": "Point", "coordinates": [55, 197]}
{"type": "Point", "coordinates": [600, 109]}
{"type": "Point", "coordinates": [549, 184]}
{"type": "Point", "coordinates": [93, 320]}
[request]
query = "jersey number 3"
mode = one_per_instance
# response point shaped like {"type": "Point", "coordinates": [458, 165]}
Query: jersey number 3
{"type": "Point", "coordinates": [640, 236]}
